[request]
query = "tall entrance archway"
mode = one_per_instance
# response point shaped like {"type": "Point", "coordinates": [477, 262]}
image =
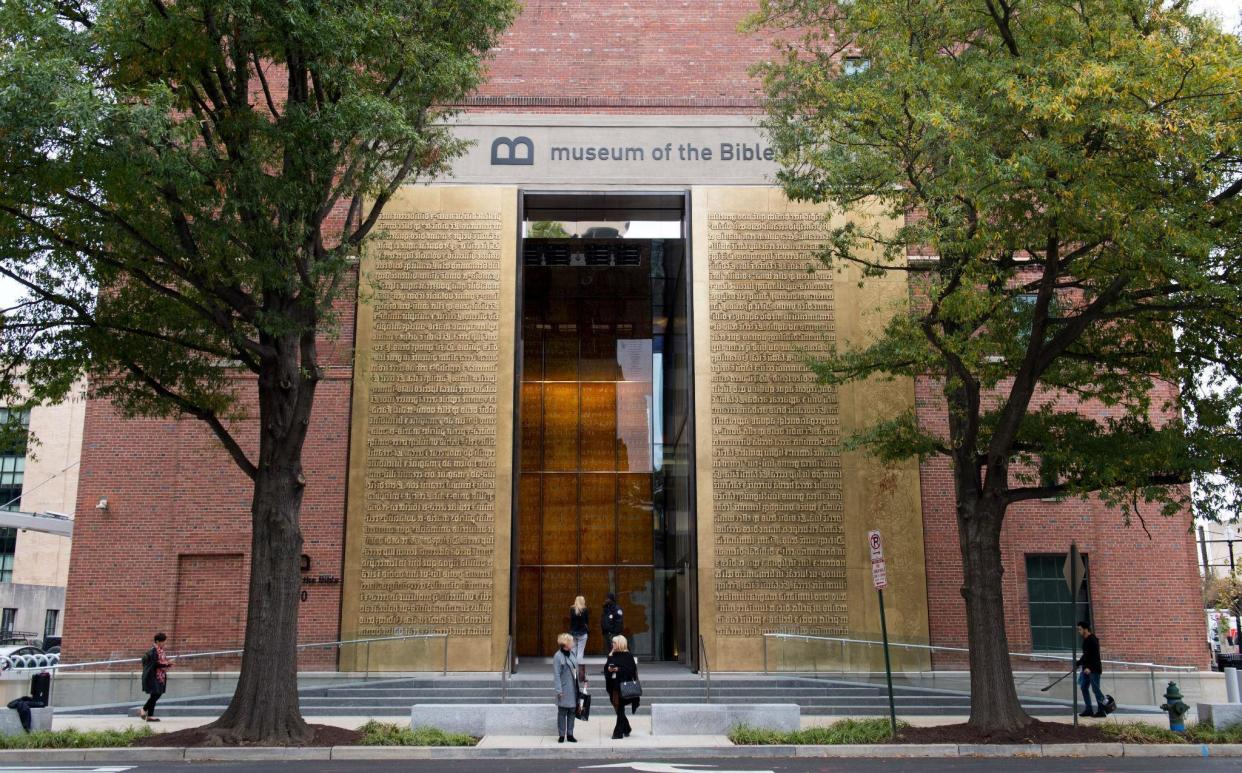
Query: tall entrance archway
{"type": "Point", "coordinates": [605, 450]}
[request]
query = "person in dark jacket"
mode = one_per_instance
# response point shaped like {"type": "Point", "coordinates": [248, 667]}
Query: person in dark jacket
{"type": "Point", "coordinates": [613, 620]}
{"type": "Point", "coordinates": [155, 665]}
{"type": "Point", "coordinates": [620, 667]}
{"type": "Point", "coordinates": [1089, 678]}
{"type": "Point", "coordinates": [579, 628]}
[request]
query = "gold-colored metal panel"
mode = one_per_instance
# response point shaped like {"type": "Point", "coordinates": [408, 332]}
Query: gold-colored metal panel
{"type": "Point", "coordinates": [783, 509]}
{"type": "Point", "coordinates": [428, 526]}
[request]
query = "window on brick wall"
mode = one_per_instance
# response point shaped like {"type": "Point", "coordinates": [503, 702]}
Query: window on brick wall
{"type": "Point", "coordinates": [13, 460]}
{"type": "Point", "coordinates": [12, 473]}
{"type": "Point", "coordinates": [1052, 616]}
{"type": "Point", "coordinates": [8, 548]}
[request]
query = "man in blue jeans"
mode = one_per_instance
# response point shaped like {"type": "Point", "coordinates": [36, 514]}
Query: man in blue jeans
{"type": "Point", "coordinates": [1089, 677]}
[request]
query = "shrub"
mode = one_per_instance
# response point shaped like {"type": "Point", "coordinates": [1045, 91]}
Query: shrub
{"type": "Point", "coordinates": [1204, 732]}
{"type": "Point", "coordinates": [391, 734]}
{"type": "Point", "coordinates": [74, 739]}
{"type": "Point", "coordinates": [847, 731]}
{"type": "Point", "coordinates": [1140, 732]}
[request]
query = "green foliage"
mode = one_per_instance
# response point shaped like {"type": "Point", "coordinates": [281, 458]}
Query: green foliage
{"type": "Point", "coordinates": [1140, 732]}
{"type": "Point", "coordinates": [391, 734]}
{"type": "Point", "coordinates": [183, 184]}
{"type": "Point", "coordinates": [1077, 170]}
{"type": "Point", "coordinates": [1205, 732]}
{"type": "Point", "coordinates": [547, 229]}
{"type": "Point", "coordinates": [1146, 732]}
{"type": "Point", "coordinates": [846, 731]}
{"type": "Point", "coordinates": [74, 739]}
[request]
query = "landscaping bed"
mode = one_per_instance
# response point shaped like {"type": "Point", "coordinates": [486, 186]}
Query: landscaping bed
{"type": "Point", "coordinates": [877, 731]}
{"type": "Point", "coordinates": [77, 739]}
{"type": "Point", "coordinates": [371, 734]}
{"type": "Point", "coordinates": [324, 735]}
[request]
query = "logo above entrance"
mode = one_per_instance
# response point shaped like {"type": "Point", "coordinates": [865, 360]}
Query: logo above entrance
{"type": "Point", "coordinates": [643, 150]}
{"type": "Point", "coordinates": [519, 151]}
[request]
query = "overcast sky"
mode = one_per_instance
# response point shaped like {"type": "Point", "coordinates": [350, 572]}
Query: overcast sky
{"type": "Point", "coordinates": [1230, 11]}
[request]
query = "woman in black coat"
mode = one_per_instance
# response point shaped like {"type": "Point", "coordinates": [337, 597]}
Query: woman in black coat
{"type": "Point", "coordinates": [620, 667]}
{"type": "Point", "coordinates": [155, 665]}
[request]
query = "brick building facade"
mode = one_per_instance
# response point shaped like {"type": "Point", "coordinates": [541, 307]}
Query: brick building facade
{"type": "Point", "coordinates": [171, 550]}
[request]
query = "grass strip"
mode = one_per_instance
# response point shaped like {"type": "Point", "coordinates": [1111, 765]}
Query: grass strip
{"type": "Point", "coordinates": [846, 731]}
{"type": "Point", "coordinates": [391, 734]}
{"type": "Point", "coordinates": [74, 739]}
{"type": "Point", "coordinates": [1145, 732]}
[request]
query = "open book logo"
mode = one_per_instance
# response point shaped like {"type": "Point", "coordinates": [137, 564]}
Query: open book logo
{"type": "Point", "coordinates": [518, 151]}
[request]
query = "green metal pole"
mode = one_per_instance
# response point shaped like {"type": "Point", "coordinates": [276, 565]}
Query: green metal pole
{"type": "Point", "coordinates": [888, 667]}
{"type": "Point", "coordinates": [1073, 557]}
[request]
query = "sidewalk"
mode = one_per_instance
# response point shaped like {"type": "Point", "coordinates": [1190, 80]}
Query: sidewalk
{"type": "Point", "coordinates": [594, 742]}
{"type": "Point", "coordinates": [596, 732]}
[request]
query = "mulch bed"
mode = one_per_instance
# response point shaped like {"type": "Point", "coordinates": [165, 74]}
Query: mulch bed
{"type": "Point", "coordinates": [325, 735]}
{"type": "Point", "coordinates": [1036, 732]}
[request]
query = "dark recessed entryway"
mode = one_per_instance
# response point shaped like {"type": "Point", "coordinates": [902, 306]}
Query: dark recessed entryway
{"type": "Point", "coordinates": [604, 494]}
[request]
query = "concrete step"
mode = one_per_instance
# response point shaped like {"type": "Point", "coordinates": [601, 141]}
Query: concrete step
{"type": "Point", "coordinates": [828, 697]}
{"type": "Point", "coordinates": [484, 693]}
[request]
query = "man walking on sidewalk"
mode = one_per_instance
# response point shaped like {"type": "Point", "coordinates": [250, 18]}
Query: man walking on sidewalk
{"type": "Point", "coordinates": [1089, 677]}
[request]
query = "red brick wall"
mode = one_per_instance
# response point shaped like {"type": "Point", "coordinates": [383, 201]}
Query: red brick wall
{"type": "Point", "coordinates": [176, 500]}
{"type": "Point", "coordinates": [1144, 591]}
{"type": "Point", "coordinates": [637, 54]}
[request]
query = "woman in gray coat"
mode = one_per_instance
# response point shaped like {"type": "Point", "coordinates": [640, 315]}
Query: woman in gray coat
{"type": "Point", "coordinates": [565, 682]}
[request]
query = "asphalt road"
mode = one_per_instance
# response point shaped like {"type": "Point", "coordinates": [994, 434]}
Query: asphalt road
{"type": "Point", "coordinates": [1124, 765]}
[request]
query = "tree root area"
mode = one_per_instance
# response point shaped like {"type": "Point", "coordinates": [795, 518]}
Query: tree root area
{"type": "Point", "coordinates": [323, 735]}
{"type": "Point", "coordinates": [1035, 732]}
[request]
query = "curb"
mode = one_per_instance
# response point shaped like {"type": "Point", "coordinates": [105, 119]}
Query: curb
{"type": "Point", "coordinates": [379, 753]}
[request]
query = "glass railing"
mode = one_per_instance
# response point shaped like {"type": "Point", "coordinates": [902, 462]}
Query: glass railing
{"type": "Point", "coordinates": [214, 672]}
{"type": "Point", "coordinates": [923, 664]}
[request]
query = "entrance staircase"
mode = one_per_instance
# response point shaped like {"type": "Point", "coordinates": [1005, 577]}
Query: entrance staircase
{"type": "Point", "coordinates": [392, 698]}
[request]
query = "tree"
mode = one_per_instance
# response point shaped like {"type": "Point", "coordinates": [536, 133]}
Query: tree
{"type": "Point", "coordinates": [548, 229]}
{"type": "Point", "coordinates": [1071, 171]}
{"type": "Point", "coordinates": [182, 188]}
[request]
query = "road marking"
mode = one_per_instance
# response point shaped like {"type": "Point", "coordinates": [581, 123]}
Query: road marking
{"type": "Point", "coordinates": [670, 767]}
{"type": "Point", "coordinates": [75, 768]}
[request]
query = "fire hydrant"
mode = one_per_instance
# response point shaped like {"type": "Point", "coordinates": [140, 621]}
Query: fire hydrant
{"type": "Point", "coordinates": [1176, 708]}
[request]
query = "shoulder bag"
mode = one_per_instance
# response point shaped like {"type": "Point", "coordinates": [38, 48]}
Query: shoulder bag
{"type": "Point", "coordinates": [630, 690]}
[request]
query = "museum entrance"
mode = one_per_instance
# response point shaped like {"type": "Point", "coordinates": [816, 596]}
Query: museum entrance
{"type": "Point", "coordinates": [604, 499]}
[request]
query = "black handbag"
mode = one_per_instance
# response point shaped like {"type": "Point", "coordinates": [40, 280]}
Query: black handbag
{"type": "Point", "coordinates": [630, 690]}
{"type": "Point", "coordinates": [584, 706]}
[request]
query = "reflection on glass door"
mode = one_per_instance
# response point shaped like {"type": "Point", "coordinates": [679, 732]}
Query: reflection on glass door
{"type": "Point", "coordinates": [595, 479]}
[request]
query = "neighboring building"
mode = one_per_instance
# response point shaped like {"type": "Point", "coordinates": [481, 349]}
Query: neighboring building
{"type": "Point", "coordinates": [1220, 548]}
{"type": "Point", "coordinates": [514, 419]}
{"type": "Point", "coordinates": [40, 479]}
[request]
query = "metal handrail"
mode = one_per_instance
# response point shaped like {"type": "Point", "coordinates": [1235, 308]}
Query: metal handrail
{"type": "Point", "coordinates": [217, 653]}
{"type": "Point", "coordinates": [506, 672]}
{"type": "Point", "coordinates": [935, 647]}
{"type": "Point", "coordinates": [705, 668]}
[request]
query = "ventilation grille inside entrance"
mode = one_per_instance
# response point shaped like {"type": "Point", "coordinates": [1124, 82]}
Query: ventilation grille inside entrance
{"type": "Point", "coordinates": [583, 252]}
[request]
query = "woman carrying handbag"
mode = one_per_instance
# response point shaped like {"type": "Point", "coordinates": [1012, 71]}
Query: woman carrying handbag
{"type": "Point", "coordinates": [621, 681]}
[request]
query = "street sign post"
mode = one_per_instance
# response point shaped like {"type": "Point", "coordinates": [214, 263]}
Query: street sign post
{"type": "Point", "coordinates": [879, 578]}
{"type": "Point", "coordinates": [1074, 570]}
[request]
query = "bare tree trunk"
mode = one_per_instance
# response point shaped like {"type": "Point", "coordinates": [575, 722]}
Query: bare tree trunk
{"type": "Point", "coordinates": [994, 705]}
{"type": "Point", "coordinates": [264, 708]}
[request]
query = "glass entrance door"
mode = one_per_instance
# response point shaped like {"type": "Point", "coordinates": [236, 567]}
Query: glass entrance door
{"type": "Point", "coordinates": [603, 495]}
